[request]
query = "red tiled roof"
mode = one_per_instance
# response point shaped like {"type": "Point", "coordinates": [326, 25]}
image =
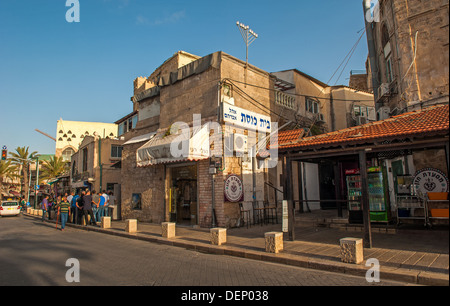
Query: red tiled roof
{"type": "Point", "coordinates": [430, 121]}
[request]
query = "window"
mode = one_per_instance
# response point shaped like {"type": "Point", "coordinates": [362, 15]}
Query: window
{"type": "Point", "coordinates": [312, 106]}
{"type": "Point", "coordinates": [74, 168]}
{"type": "Point", "coordinates": [85, 159]}
{"type": "Point", "coordinates": [128, 125]}
{"type": "Point", "coordinates": [116, 151]}
{"type": "Point", "coordinates": [67, 154]}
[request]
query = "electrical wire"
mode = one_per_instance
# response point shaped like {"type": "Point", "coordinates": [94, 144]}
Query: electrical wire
{"type": "Point", "coordinates": [295, 94]}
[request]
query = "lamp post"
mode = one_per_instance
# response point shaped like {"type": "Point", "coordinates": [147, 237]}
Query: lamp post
{"type": "Point", "coordinates": [37, 182]}
{"type": "Point", "coordinates": [249, 37]}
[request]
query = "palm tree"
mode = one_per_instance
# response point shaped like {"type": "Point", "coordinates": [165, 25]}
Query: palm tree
{"type": "Point", "coordinates": [7, 171]}
{"type": "Point", "coordinates": [53, 168]}
{"type": "Point", "coordinates": [21, 159]}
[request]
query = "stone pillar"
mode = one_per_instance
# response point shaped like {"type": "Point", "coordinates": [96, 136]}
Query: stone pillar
{"type": "Point", "coordinates": [274, 242]}
{"type": "Point", "coordinates": [131, 226]}
{"type": "Point", "coordinates": [352, 250]}
{"type": "Point", "coordinates": [106, 222]}
{"type": "Point", "coordinates": [168, 229]}
{"type": "Point", "coordinates": [218, 236]}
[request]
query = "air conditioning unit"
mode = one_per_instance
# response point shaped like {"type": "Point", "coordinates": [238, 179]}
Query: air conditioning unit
{"type": "Point", "coordinates": [360, 120]}
{"type": "Point", "coordinates": [383, 90]}
{"type": "Point", "coordinates": [383, 113]}
{"type": "Point", "coordinates": [240, 143]}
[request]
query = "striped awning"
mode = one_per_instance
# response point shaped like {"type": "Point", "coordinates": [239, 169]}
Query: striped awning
{"type": "Point", "coordinates": [180, 147]}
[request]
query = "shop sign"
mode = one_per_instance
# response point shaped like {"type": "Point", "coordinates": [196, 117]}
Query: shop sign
{"type": "Point", "coordinates": [246, 119]}
{"type": "Point", "coordinates": [234, 189]}
{"type": "Point", "coordinates": [285, 217]}
{"type": "Point", "coordinates": [430, 180]}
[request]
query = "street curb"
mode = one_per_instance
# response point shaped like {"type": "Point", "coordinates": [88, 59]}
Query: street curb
{"type": "Point", "coordinates": [393, 274]}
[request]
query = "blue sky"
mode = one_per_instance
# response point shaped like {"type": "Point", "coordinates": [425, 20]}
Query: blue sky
{"type": "Point", "coordinates": [52, 69]}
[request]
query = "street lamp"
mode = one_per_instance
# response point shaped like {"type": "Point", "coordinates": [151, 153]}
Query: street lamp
{"type": "Point", "coordinates": [249, 37]}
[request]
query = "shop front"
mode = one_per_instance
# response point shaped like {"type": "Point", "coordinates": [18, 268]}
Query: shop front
{"type": "Point", "coordinates": [381, 164]}
{"type": "Point", "coordinates": [183, 200]}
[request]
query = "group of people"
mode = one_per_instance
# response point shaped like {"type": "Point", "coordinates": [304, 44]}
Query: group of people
{"type": "Point", "coordinates": [71, 208]}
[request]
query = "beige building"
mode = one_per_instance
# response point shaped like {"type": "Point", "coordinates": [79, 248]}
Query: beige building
{"type": "Point", "coordinates": [319, 107]}
{"type": "Point", "coordinates": [408, 54]}
{"type": "Point", "coordinates": [70, 134]}
{"type": "Point", "coordinates": [96, 164]}
{"type": "Point", "coordinates": [194, 188]}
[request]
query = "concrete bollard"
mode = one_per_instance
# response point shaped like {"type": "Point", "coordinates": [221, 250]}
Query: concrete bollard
{"type": "Point", "coordinates": [168, 229]}
{"type": "Point", "coordinates": [131, 226]}
{"type": "Point", "coordinates": [352, 250]}
{"type": "Point", "coordinates": [274, 242]}
{"type": "Point", "coordinates": [106, 222]}
{"type": "Point", "coordinates": [40, 212]}
{"type": "Point", "coordinates": [28, 210]}
{"type": "Point", "coordinates": [218, 236]}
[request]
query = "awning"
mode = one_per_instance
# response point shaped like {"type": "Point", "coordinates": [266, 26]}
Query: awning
{"type": "Point", "coordinates": [79, 184]}
{"type": "Point", "coordinates": [141, 138]}
{"type": "Point", "coordinates": [53, 181]}
{"type": "Point", "coordinates": [175, 148]}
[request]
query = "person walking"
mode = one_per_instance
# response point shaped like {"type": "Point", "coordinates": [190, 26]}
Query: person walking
{"type": "Point", "coordinates": [44, 206]}
{"type": "Point", "coordinates": [87, 208]}
{"type": "Point", "coordinates": [64, 211]}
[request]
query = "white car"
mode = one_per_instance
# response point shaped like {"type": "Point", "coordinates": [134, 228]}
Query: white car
{"type": "Point", "coordinates": [9, 208]}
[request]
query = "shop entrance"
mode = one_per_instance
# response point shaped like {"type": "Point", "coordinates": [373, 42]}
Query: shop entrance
{"type": "Point", "coordinates": [183, 193]}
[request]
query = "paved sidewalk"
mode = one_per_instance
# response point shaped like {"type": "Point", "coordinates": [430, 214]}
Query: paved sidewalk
{"type": "Point", "coordinates": [414, 256]}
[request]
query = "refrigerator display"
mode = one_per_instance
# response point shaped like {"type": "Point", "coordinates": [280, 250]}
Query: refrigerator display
{"type": "Point", "coordinates": [377, 195]}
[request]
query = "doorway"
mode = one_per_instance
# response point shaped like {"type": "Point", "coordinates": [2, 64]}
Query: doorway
{"type": "Point", "coordinates": [183, 207]}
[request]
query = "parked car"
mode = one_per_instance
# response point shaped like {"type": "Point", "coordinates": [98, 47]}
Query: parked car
{"type": "Point", "coordinates": [9, 208]}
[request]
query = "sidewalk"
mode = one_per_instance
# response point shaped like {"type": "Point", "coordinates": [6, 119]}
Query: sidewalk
{"type": "Point", "coordinates": [413, 256]}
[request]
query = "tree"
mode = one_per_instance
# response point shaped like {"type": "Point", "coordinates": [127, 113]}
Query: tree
{"type": "Point", "coordinates": [21, 158]}
{"type": "Point", "coordinates": [53, 168]}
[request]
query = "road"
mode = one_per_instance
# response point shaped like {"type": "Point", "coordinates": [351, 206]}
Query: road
{"type": "Point", "coordinates": [34, 253]}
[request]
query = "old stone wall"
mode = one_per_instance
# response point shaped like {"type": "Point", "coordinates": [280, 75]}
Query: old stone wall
{"type": "Point", "coordinates": [149, 182]}
{"type": "Point", "coordinates": [418, 34]}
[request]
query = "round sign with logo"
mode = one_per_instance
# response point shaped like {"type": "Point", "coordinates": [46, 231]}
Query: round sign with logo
{"type": "Point", "coordinates": [234, 189]}
{"type": "Point", "coordinates": [430, 180]}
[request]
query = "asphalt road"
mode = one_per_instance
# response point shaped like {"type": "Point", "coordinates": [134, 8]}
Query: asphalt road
{"type": "Point", "coordinates": [33, 253]}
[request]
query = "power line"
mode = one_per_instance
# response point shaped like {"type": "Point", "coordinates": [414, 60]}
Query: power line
{"type": "Point", "coordinates": [295, 94]}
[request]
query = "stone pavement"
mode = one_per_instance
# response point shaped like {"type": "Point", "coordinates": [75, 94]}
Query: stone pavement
{"type": "Point", "coordinates": [418, 256]}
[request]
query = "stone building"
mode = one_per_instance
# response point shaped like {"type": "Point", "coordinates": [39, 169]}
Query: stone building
{"type": "Point", "coordinates": [241, 104]}
{"type": "Point", "coordinates": [408, 54]}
